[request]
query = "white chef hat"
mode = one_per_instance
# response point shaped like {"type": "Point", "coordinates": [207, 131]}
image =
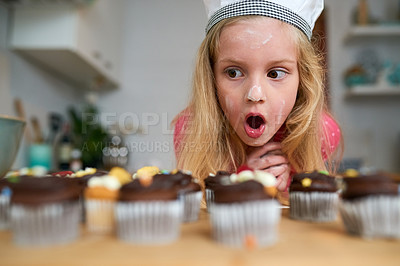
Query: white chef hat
{"type": "Point", "coordinates": [299, 13]}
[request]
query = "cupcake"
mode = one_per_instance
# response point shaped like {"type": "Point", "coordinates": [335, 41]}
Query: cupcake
{"type": "Point", "coordinates": [44, 211]}
{"type": "Point", "coordinates": [313, 197]}
{"type": "Point", "coordinates": [101, 194]}
{"type": "Point", "coordinates": [81, 177]}
{"type": "Point", "coordinates": [370, 206]}
{"type": "Point", "coordinates": [244, 212]}
{"type": "Point", "coordinates": [148, 211]}
{"type": "Point", "coordinates": [5, 194]}
{"type": "Point", "coordinates": [189, 192]}
{"type": "Point", "coordinates": [212, 182]}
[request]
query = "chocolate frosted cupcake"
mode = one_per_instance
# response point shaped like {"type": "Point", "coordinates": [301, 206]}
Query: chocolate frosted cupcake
{"type": "Point", "coordinates": [81, 177]}
{"type": "Point", "coordinates": [44, 211]}
{"type": "Point", "coordinates": [211, 183]}
{"type": "Point", "coordinates": [148, 211]}
{"type": "Point", "coordinates": [244, 212]}
{"type": "Point", "coordinates": [5, 194]}
{"type": "Point", "coordinates": [313, 197]}
{"type": "Point", "coordinates": [188, 191]}
{"type": "Point", "coordinates": [370, 206]}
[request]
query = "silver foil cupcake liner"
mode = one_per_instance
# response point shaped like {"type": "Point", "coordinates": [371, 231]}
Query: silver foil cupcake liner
{"type": "Point", "coordinates": [209, 198]}
{"type": "Point", "coordinates": [191, 206]}
{"type": "Point", "coordinates": [4, 212]}
{"type": "Point", "coordinates": [234, 224]}
{"type": "Point", "coordinates": [150, 222]}
{"type": "Point", "coordinates": [100, 215]}
{"type": "Point", "coordinates": [314, 206]}
{"type": "Point", "coordinates": [46, 224]}
{"type": "Point", "coordinates": [372, 216]}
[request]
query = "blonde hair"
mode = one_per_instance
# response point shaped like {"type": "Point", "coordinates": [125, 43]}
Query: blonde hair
{"type": "Point", "coordinates": [209, 143]}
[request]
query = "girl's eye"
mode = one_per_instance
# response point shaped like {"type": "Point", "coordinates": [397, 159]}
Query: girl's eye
{"type": "Point", "coordinates": [276, 74]}
{"type": "Point", "coordinates": [233, 73]}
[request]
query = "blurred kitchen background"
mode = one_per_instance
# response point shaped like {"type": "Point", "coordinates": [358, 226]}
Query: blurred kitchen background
{"type": "Point", "coordinates": [100, 81]}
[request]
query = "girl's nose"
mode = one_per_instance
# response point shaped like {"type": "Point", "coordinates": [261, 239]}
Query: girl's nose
{"type": "Point", "coordinates": [255, 94]}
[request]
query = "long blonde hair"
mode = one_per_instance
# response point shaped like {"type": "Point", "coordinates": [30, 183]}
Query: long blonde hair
{"type": "Point", "coordinates": [209, 143]}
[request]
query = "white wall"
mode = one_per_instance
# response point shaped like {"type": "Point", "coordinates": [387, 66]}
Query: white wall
{"type": "Point", "coordinates": [371, 125]}
{"type": "Point", "coordinates": [160, 42]}
{"type": "Point", "coordinates": [39, 91]}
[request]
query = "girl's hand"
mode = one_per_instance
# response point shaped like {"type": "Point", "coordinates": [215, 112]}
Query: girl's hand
{"type": "Point", "coordinates": [271, 159]}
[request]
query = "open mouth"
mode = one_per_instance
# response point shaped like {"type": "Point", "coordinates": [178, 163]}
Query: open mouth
{"type": "Point", "coordinates": [254, 125]}
{"type": "Point", "coordinates": [255, 121]}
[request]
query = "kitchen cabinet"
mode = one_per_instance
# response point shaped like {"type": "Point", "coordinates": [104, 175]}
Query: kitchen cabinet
{"type": "Point", "coordinates": [80, 43]}
{"type": "Point", "coordinates": [391, 33]}
{"type": "Point", "coordinates": [377, 31]}
{"type": "Point", "coordinates": [374, 91]}
{"type": "Point", "coordinates": [387, 33]}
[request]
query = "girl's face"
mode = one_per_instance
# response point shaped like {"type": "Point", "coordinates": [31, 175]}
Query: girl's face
{"type": "Point", "coordinates": [257, 77]}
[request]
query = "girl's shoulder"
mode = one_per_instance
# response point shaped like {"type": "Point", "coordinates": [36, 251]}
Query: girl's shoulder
{"type": "Point", "coordinates": [180, 122]}
{"type": "Point", "coordinates": [331, 135]}
{"type": "Point", "coordinates": [181, 119]}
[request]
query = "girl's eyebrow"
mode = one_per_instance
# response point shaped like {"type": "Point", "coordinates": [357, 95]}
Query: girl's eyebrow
{"type": "Point", "coordinates": [229, 60]}
{"type": "Point", "coordinates": [272, 62]}
{"type": "Point", "coordinates": [283, 62]}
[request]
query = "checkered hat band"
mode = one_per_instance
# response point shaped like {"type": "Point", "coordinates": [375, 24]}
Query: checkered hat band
{"type": "Point", "coordinates": [261, 8]}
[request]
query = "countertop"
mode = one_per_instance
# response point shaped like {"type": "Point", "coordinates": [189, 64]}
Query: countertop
{"type": "Point", "coordinates": [299, 243]}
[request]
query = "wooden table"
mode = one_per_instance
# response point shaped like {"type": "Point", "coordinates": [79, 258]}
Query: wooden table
{"type": "Point", "coordinates": [300, 243]}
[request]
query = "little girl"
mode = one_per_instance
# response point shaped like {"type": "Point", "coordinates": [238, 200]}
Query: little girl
{"type": "Point", "coordinates": [258, 94]}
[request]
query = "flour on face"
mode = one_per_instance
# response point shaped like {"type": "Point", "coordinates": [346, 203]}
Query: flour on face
{"type": "Point", "coordinates": [280, 116]}
{"type": "Point", "coordinates": [255, 94]}
{"type": "Point", "coordinates": [254, 39]}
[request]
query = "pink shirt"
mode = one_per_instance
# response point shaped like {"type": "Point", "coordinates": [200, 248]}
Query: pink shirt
{"type": "Point", "coordinates": [329, 143]}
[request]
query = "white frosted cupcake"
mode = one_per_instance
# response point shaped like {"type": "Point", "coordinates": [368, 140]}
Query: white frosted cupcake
{"type": "Point", "coordinates": [244, 212]}
{"type": "Point", "coordinates": [101, 194]}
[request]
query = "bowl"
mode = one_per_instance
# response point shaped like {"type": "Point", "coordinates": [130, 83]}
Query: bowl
{"type": "Point", "coordinates": [11, 130]}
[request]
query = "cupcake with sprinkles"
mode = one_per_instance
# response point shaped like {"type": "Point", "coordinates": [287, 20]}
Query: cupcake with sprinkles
{"type": "Point", "coordinates": [244, 212]}
{"type": "Point", "coordinates": [44, 211]}
{"type": "Point", "coordinates": [212, 182]}
{"type": "Point", "coordinates": [189, 192]}
{"type": "Point", "coordinates": [5, 195]}
{"type": "Point", "coordinates": [313, 197]}
{"type": "Point", "coordinates": [101, 194]}
{"type": "Point", "coordinates": [148, 210]}
{"type": "Point", "coordinates": [81, 177]}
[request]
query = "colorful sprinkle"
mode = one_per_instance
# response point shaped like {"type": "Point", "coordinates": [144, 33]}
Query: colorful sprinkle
{"type": "Point", "coordinates": [306, 182]}
{"type": "Point", "coordinates": [174, 171]}
{"type": "Point", "coordinates": [121, 174]}
{"type": "Point", "coordinates": [243, 168]}
{"type": "Point", "coordinates": [250, 242]}
{"type": "Point", "coordinates": [147, 171]}
{"type": "Point", "coordinates": [351, 173]}
{"type": "Point", "coordinates": [87, 171]}
{"type": "Point", "coordinates": [6, 191]}
{"type": "Point", "coordinates": [13, 179]}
